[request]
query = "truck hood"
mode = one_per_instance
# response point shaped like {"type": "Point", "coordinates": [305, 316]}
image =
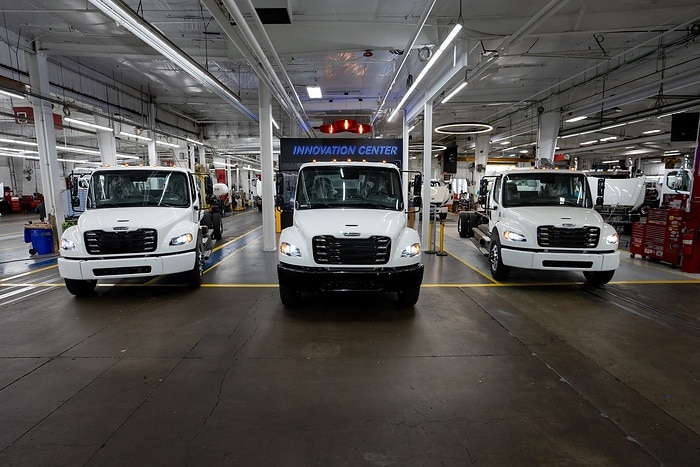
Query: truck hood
{"type": "Point", "coordinates": [350, 223]}
{"type": "Point", "coordinates": [440, 194]}
{"type": "Point", "coordinates": [563, 216]}
{"type": "Point", "coordinates": [621, 192]}
{"type": "Point", "coordinates": [130, 219]}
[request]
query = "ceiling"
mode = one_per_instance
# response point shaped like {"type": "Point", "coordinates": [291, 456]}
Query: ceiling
{"type": "Point", "coordinates": [625, 64]}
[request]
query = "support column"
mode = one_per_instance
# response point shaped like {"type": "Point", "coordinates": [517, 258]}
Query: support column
{"type": "Point", "coordinates": [547, 133]}
{"type": "Point", "coordinates": [427, 170]}
{"type": "Point", "coordinates": [268, 177]}
{"type": "Point", "coordinates": [51, 183]}
{"type": "Point", "coordinates": [152, 152]}
{"type": "Point", "coordinates": [404, 161]}
{"type": "Point", "coordinates": [106, 142]}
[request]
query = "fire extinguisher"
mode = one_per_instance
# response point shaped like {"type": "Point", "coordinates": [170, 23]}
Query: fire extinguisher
{"type": "Point", "coordinates": [688, 242]}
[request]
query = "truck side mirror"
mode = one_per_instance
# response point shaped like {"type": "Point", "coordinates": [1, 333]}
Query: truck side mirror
{"type": "Point", "coordinates": [417, 185]}
{"type": "Point", "coordinates": [483, 192]}
{"type": "Point", "coordinates": [599, 201]}
{"type": "Point", "coordinates": [74, 198]}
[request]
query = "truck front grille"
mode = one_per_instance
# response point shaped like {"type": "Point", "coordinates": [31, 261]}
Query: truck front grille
{"type": "Point", "coordinates": [549, 236]}
{"type": "Point", "coordinates": [367, 251]}
{"type": "Point", "coordinates": [99, 242]}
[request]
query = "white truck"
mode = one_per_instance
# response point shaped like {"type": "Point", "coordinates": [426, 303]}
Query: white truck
{"type": "Point", "coordinates": [349, 233]}
{"type": "Point", "coordinates": [623, 200]}
{"type": "Point", "coordinates": [440, 198]}
{"type": "Point", "coordinates": [545, 220]}
{"type": "Point", "coordinates": [139, 222]}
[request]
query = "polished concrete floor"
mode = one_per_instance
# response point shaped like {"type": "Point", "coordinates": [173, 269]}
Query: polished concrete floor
{"type": "Point", "coordinates": [540, 371]}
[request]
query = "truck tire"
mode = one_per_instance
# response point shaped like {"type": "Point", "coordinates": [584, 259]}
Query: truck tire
{"type": "Point", "coordinates": [598, 277]}
{"type": "Point", "coordinates": [499, 271]}
{"type": "Point", "coordinates": [408, 297]}
{"type": "Point", "coordinates": [289, 296]}
{"type": "Point", "coordinates": [218, 225]}
{"type": "Point", "coordinates": [80, 288]}
{"type": "Point", "coordinates": [194, 279]}
{"type": "Point", "coordinates": [464, 224]}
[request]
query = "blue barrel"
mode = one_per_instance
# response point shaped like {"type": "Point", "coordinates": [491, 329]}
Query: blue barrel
{"type": "Point", "coordinates": [42, 240]}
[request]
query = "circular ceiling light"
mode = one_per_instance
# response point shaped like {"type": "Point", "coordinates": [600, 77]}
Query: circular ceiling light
{"type": "Point", "coordinates": [418, 147]}
{"type": "Point", "coordinates": [467, 128]}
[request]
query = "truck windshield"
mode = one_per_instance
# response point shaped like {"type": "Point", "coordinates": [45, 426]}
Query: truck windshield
{"type": "Point", "coordinates": [538, 189]}
{"type": "Point", "coordinates": [371, 187]}
{"type": "Point", "coordinates": [138, 188]}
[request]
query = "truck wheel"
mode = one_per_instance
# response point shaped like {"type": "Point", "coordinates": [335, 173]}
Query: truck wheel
{"type": "Point", "coordinates": [289, 296]}
{"type": "Point", "coordinates": [464, 224]}
{"type": "Point", "coordinates": [598, 277]}
{"type": "Point", "coordinates": [218, 225]}
{"type": "Point", "coordinates": [408, 297]}
{"type": "Point", "coordinates": [80, 288]}
{"type": "Point", "coordinates": [499, 271]}
{"type": "Point", "coordinates": [195, 276]}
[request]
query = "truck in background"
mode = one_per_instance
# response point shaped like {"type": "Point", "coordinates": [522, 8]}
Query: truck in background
{"type": "Point", "coordinates": [139, 222]}
{"type": "Point", "coordinates": [543, 220]}
{"type": "Point", "coordinates": [440, 198]}
{"type": "Point", "coordinates": [349, 233]}
{"type": "Point", "coordinates": [623, 200]}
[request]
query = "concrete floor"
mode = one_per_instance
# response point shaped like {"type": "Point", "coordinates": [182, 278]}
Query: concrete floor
{"type": "Point", "coordinates": [542, 370]}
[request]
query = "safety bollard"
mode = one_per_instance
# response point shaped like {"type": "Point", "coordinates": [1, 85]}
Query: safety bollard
{"type": "Point", "coordinates": [431, 236]}
{"type": "Point", "coordinates": [442, 252]}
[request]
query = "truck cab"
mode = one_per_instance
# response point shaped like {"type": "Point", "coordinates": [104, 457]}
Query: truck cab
{"type": "Point", "coordinates": [545, 220]}
{"type": "Point", "coordinates": [349, 233]}
{"type": "Point", "coordinates": [138, 222]}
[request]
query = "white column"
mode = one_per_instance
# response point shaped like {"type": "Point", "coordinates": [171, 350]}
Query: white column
{"type": "Point", "coordinates": [481, 158]}
{"type": "Point", "coordinates": [106, 142]}
{"type": "Point", "coordinates": [51, 183]}
{"type": "Point", "coordinates": [404, 161]}
{"type": "Point", "coordinates": [427, 170]}
{"type": "Point", "coordinates": [547, 133]}
{"type": "Point", "coordinates": [152, 151]}
{"type": "Point", "coordinates": [268, 177]}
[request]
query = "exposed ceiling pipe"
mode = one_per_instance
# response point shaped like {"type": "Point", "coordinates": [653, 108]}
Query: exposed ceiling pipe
{"type": "Point", "coordinates": [271, 50]}
{"type": "Point", "coordinates": [404, 57]}
{"type": "Point", "coordinates": [262, 59]}
{"type": "Point", "coordinates": [541, 16]}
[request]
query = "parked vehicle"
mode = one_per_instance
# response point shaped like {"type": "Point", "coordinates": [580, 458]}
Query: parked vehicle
{"type": "Point", "coordinates": [623, 200]}
{"type": "Point", "coordinates": [349, 232]}
{"type": "Point", "coordinates": [138, 222]}
{"type": "Point", "coordinates": [544, 220]}
{"type": "Point", "coordinates": [441, 198]}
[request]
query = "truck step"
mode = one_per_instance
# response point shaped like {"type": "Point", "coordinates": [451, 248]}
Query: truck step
{"type": "Point", "coordinates": [482, 248]}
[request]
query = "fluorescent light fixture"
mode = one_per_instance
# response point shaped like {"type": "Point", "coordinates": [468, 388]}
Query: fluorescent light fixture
{"type": "Point", "coordinates": [586, 143]}
{"type": "Point", "coordinates": [275, 124]}
{"type": "Point", "coordinates": [504, 143]}
{"type": "Point", "coordinates": [450, 37]}
{"type": "Point", "coordinates": [124, 156]}
{"type": "Point", "coordinates": [92, 152]}
{"type": "Point", "coordinates": [576, 119]}
{"type": "Point", "coordinates": [132, 135]}
{"type": "Point", "coordinates": [314, 92]}
{"type": "Point", "coordinates": [454, 92]}
{"type": "Point", "coordinates": [11, 94]}
{"type": "Point", "coordinates": [651, 132]}
{"type": "Point", "coordinates": [607, 138]}
{"type": "Point", "coordinates": [126, 17]}
{"type": "Point", "coordinates": [193, 141]}
{"type": "Point", "coordinates": [170, 145]}
{"type": "Point", "coordinates": [616, 161]}
{"type": "Point", "coordinates": [15, 141]}
{"type": "Point", "coordinates": [94, 126]}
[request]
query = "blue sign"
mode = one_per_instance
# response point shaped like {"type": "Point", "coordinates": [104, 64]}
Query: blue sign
{"type": "Point", "coordinates": [296, 151]}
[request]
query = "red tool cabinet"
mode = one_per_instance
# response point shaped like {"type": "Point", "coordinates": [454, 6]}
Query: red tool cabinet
{"type": "Point", "coordinates": [660, 237]}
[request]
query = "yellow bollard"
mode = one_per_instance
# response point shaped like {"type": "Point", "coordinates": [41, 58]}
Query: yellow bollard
{"type": "Point", "coordinates": [442, 252]}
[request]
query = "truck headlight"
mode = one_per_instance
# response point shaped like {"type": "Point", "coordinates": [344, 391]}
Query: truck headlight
{"type": "Point", "coordinates": [183, 239]}
{"type": "Point", "coordinates": [67, 244]}
{"type": "Point", "coordinates": [612, 239]}
{"type": "Point", "coordinates": [411, 251]}
{"type": "Point", "coordinates": [288, 249]}
{"type": "Point", "coordinates": [514, 236]}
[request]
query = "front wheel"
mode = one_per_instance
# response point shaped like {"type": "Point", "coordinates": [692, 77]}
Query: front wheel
{"type": "Point", "coordinates": [464, 224]}
{"type": "Point", "coordinates": [408, 297]}
{"type": "Point", "coordinates": [289, 296]}
{"type": "Point", "coordinates": [218, 225]}
{"type": "Point", "coordinates": [499, 271]}
{"type": "Point", "coordinates": [196, 275]}
{"type": "Point", "coordinates": [80, 288]}
{"type": "Point", "coordinates": [598, 277]}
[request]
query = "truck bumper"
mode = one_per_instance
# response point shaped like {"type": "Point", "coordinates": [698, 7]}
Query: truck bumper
{"type": "Point", "coordinates": [315, 279]}
{"type": "Point", "coordinates": [121, 268]}
{"type": "Point", "coordinates": [561, 261]}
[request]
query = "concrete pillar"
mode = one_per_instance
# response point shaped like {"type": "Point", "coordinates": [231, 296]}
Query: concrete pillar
{"type": "Point", "coordinates": [547, 133]}
{"type": "Point", "coordinates": [52, 184]}
{"type": "Point", "coordinates": [404, 161]}
{"type": "Point", "coordinates": [106, 142]}
{"type": "Point", "coordinates": [427, 170]}
{"type": "Point", "coordinates": [268, 176]}
{"type": "Point", "coordinates": [152, 151]}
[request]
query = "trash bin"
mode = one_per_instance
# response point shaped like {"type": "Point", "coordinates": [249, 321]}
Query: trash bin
{"type": "Point", "coordinates": [41, 237]}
